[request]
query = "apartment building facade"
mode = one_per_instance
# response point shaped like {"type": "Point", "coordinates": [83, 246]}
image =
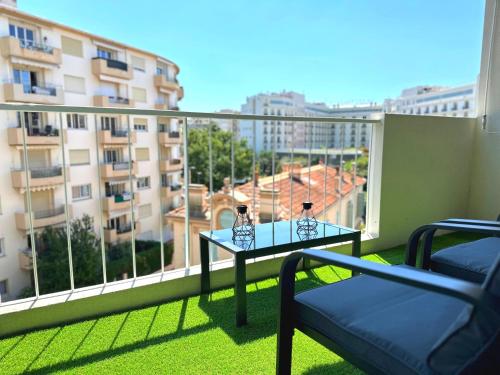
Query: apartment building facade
{"type": "Point", "coordinates": [304, 135]}
{"type": "Point", "coordinates": [459, 101]}
{"type": "Point", "coordinates": [131, 163]}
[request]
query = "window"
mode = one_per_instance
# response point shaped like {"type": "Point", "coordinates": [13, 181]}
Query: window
{"type": "Point", "coordinates": [76, 121]}
{"type": "Point", "coordinates": [142, 154]}
{"type": "Point", "coordinates": [108, 123]}
{"type": "Point", "coordinates": [146, 210]}
{"type": "Point", "coordinates": [25, 35]}
{"type": "Point", "coordinates": [3, 289]}
{"type": "Point", "coordinates": [226, 219]}
{"type": "Point", "coordinates": [143, 183]}
{"type": "Point", "coordinates": [139, 63]}
{"type": "Point", "coordinates": [139, 94]}
{"type": "Point", "coordinates": [74, 84]}
{"type": "Point", "coordinates": [81, 192]}
{"type": "Point", "coordinates": [70, 46]}
{"type": "Point", "coordinates": [141, 124]}
{"type": "Point", "coordinates": [104, 53]}
{"type": "Point", "coordinates": [79, 157]}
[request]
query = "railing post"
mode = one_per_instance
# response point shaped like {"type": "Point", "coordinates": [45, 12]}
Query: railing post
{"type": "Point", "coordinates": [187, 231]}
{"type": "Point", "coordinates": [30, 209]}
{"type": "Point", "coordinates": [101, 223]}
{"type": "Point", "coordinates": [131, 183]}
{"type": "Point", "coordinates": [68, 231]}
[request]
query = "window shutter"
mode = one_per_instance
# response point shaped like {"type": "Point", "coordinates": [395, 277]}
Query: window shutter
{"type": "Point", "coordinates": [140, 121]}
{"type": "Point", "coordinates": [79, 157]}
{"type": "Point", "coordinates": [74, 84]}
{"type": "Point", "coordinates": [146, 210]}
{"type": "Point", "coordinates": [72, 46]}
{"type": "Point", "coordinates": [138, 63]}
{"type": "Point", "coordinates": [139, 94]}
{"type": "Point", "coordinates": [142, 154]}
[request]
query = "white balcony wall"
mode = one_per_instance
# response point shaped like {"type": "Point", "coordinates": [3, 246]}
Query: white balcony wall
{"type": "Point", "coordinates": [485, 189]}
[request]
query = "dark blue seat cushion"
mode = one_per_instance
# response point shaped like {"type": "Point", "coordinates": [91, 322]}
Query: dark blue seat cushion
{"type": "Point", "coordinates": [392, 326]}
{"type": "Point", "coordinates": [469, 261]}
{"type": "Point", "coordinates": [472, 345]}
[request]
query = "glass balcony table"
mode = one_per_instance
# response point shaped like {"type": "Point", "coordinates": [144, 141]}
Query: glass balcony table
{"type": "Point", "coordinates": [270, 239]}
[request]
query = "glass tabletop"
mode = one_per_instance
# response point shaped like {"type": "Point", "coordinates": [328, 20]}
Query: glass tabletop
{"type": "Point", "coordinates": [275, 234]}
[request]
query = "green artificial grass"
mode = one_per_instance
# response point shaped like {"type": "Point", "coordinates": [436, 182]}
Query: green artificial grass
{"type": "Point", "coordinates": [189, 336]}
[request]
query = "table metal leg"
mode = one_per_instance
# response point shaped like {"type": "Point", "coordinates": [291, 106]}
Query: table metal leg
{"type": "Point", "coordinates": [356, 249]}
{"type": "Point", "coordinates": [240, 289]}
{"type": "Point", "coordinates": [205, 262]}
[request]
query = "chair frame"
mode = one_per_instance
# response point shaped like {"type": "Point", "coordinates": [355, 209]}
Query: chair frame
{"type": "Point", "coordinates": [427, 232]}
{"type": "Point", "coordinates": [288, 322]}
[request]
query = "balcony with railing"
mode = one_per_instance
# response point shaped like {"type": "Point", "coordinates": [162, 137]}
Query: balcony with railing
{"type": "Point", "coordinates": [171, 165]}
{"type": "Point", "coordinates": [121, 234]}
{"type": "Point", "coordinates": [118, 169]}
{"type": "Point", "coordinates": [29, 50]}
{"type": "Point", "coordinates": [26, 93]}
{"type": "Point", "coordinates": [157, 260]}
{"type": "Point", "coordinates": [116, 137]}
{"type": "Point", "coordinates": [39, 177]}
{"type": "Point", "coordinates": [112, 68]}
{"type": "Point", "coordinates": [162, 82]}
{"type": "Point", "coordinates": [43, 218]}
{"type": "Point", "coordinates": [36, 135]}
{"type": "Point", "coordinates": [170, 190]}
{"type": "Point", "coordinates": [169, 137]}
{"type": "Point", "coordinates": [113, 101]}
{"type": "Point", "coordinates": [120, 202]}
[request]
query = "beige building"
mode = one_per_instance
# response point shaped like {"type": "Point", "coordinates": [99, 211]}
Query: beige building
{"type": "Point", "coordinates": [49, 63]}
{"type": "Point", "coordinates": [344, 204]}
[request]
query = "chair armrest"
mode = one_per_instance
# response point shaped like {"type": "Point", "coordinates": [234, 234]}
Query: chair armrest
{"type": "Point", "coordinates": [463, 290]}
{"type": "Point", "coordinates": [487, 223]}
{"type": "Point", "coordinates": [413, 241]}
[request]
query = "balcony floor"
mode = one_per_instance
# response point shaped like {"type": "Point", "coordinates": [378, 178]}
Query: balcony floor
{"type": "Point", "coordinates": [189, 336]}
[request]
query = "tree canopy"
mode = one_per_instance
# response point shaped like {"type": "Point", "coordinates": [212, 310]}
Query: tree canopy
{"type": "Point", "coordinates": [221, 156]}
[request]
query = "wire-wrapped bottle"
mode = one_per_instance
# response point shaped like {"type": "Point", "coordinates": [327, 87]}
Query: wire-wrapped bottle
{"type": "Point", "coordinates": [243, 228]}
{"type": "Point", "coordinates": [307, 223]}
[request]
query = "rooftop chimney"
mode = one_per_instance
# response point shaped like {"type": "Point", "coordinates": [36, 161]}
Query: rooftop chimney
{"type": "Point", "coordinates": [266, 205]}
{"type": "Point", "coordinates": [197, 199]}
{"type": "Point", "coordinates": [256, 178]}
{"type": "Point", "coordinates": [295, 169]}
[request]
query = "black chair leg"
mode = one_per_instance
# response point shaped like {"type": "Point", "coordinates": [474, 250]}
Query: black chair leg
{"type": "Point", "coordinates": [284, 352]}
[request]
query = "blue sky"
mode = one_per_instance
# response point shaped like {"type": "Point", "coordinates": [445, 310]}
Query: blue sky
{"type": "Point", "coordinates": [331, 50]}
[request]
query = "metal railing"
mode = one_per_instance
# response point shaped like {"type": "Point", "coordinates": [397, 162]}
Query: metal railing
{"type": "Point", "coordinates": [115, 64]}
{"type": "Point", "coordinates": [327, 156]}
{"type": "Point", "coordinates": [45, 172]}
{"type": "Point", "coordinates": [119, 133]}
{"type": "Point", "coordinates": [118, 100]}
{"type": "Point", "coordinates": [120, 165]}
{"type": "Point", "coordinates": [50, 212]}
{"type": "Point", "coordinates": [39, 47]}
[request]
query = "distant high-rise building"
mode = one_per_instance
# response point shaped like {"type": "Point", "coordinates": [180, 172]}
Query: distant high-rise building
{"type": "Point", "coordinates": [435, 101]}
{"type": "Point", "coordinates": [304, 134]}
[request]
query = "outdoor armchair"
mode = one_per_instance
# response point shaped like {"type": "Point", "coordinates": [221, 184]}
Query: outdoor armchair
{"type": "Point", "coordinates": [393, 319]}
{"type": "Point", "coordinates": [468, 261]}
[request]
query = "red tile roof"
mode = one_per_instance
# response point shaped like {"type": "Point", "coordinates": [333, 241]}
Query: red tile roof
{"type": "Point", "coordinates": [301, 190]}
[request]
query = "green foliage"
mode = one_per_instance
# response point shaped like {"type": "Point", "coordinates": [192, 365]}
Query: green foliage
{"type": "Point", "coordinates": [147, 258]}
{"type": "Point", "coordinates": [221, 156]}
{"type": "Point", "coordinates": [265, 162]}
{"type": "Point", "coordinates": [53, 264]}
{"type": "Point", "coordinates": [362, 166]}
